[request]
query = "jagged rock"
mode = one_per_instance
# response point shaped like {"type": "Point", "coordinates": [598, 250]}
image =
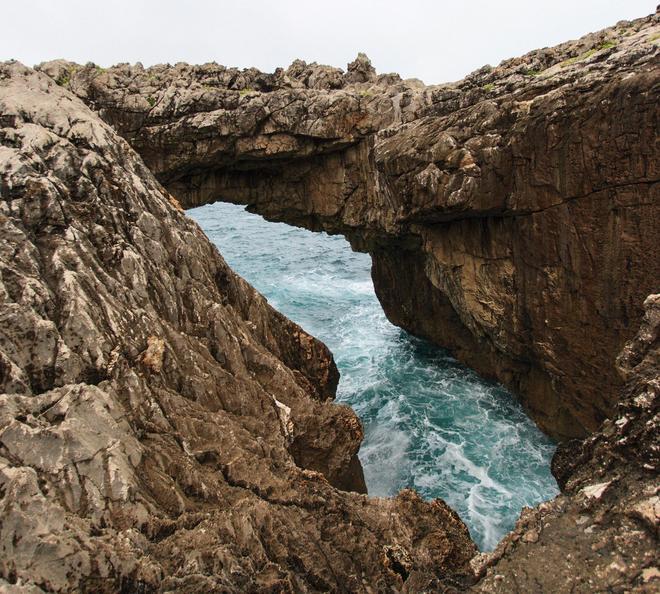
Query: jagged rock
{"type": "Point", "coordinates": [313, 76]}
{"type": "Point", "coordinates": [162, 428]}
{"type": "Point", "coordinates": [601, 533]}
{"type": "Point", "coordinates": [510, 216]}
{"type": "Point", "coordinates": [360, 70]}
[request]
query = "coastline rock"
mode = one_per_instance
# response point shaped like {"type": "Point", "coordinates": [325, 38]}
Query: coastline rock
{"type": "Point", "coordinates": [601, 533]}
{"type": "Point", "coordinates": [162, 428]}
{"type": "Point", "coordinates": [510, 216]}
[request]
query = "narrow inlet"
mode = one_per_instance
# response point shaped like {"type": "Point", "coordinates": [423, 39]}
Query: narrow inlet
{"type": "Point", "coordinates": [430, 423]}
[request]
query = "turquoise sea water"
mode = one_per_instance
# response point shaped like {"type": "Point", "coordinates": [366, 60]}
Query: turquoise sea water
{"type": "Point", "coordinates": [430, 423]}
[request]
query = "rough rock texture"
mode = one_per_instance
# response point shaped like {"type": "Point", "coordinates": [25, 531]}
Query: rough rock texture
{"type": "Point", "coordinates": [601, 533]}
{"type": "Point", "coordinates": [162, 428]}
{"type": "Point", "coordinates": [511, 217]}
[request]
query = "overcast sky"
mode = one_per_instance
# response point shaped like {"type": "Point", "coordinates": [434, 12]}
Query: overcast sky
{"type": "Point", "coordinates": [435, 41]}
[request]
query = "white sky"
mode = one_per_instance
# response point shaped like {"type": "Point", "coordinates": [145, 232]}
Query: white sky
{"type": "Point", "coordinates": [435, 41]}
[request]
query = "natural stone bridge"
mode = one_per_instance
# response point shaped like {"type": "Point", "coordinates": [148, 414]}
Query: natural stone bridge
{"type": "Point", "coordinates": [163, 429]}
{"type": "Point", "coordinates": [511, 217]}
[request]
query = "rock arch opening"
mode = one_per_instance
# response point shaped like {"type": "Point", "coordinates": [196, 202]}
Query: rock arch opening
{"type": "Point", "coordinates": [430, 423]}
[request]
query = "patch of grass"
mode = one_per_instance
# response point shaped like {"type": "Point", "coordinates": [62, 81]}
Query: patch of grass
{"type": "Point", "coordinates": [246, 91]}
{"type": "Point", "coordinates": [366, 93]}
{"type": "Point", "coordinates": [531, 72]}
{"type": "Point", "coordinates": [579, 58]}
{"type": "Point", "coordinates": [65, 78]}
{"type": "Point", "coordinates": [488, 88]}
{"type": "Point", "coordinates": [655, 38]}
{"type": "Point", "coordinates": [151, 100]}
{"type": "Point", "coordinates": [589, 53]}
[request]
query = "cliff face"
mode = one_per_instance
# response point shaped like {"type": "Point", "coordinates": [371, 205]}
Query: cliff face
{"type": "Point", "coordinates": [511, 216]}
{"type": "Point", "coordinates": [162, 428]}
{"type": "Point", "coordinates": [601, 533]}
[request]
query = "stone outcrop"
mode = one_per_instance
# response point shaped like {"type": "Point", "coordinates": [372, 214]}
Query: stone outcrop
{"type": "Point", "coordinates": [511, 216]}
{"type": "Point", "coordinates": [601, 533]}
{"type": "Point", "coordinates": [162, 428]}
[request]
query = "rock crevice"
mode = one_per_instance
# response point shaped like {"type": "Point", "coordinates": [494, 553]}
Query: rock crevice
{"type": "Point", "coordinates": [163, 429]}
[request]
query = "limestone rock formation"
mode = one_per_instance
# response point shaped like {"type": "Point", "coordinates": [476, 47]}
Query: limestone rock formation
{"type": "Point", "coordinates": [601, 533]}
{"type": "Point", "coordinates": [511, 216]}
{"type": "Point", "coordinates": [162, 428]}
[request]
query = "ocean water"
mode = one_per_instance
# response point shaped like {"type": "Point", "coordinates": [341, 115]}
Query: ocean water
{"type": "Point", "coordinates": [430, 423]}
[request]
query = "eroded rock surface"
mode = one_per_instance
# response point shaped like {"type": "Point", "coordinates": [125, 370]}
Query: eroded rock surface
{"type": "Point", "coordinates": [162, 428]}
{"type": "Point", "coordinates": [601, 533]}
{"type": "Point", "coordinates": [511, 216]}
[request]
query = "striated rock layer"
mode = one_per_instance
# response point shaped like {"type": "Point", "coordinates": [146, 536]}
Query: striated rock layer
{"type": "Point", "coordinates": [162, 428]}
{"type": "Point", "coordinates": [601, 533]}
{"type": "Point", "coordinates": [511, 216]}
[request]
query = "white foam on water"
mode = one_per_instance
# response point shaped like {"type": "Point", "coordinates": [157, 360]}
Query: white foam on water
{"type": "Point", "coordinates": [488, 523]}
{"type": "Point", "coordinates": [385, 460]}
{"type": "Point", "coordinates": [364, 287]}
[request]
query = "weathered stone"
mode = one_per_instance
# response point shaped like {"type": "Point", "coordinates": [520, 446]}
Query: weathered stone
{"type": "Point", "coordinates": [601, 533]}
{"type": "Point", "coordinates": [162, 428]}
{"type": "Point", "coordinates": [511, 216]}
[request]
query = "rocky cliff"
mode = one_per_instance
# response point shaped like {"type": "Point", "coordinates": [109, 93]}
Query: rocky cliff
{"type": "Point", "coordinates": [511, 216]}
{"type": "Point", "coordinates": [601, 533]}
{"type": "Point", "coordinates": [162, 428]}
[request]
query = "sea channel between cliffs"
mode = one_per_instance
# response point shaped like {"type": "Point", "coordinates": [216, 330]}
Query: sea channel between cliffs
{"type": "Point", "coordinates": [430, 423]}
{"type": "Point", "coordinates": [164, 428]}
